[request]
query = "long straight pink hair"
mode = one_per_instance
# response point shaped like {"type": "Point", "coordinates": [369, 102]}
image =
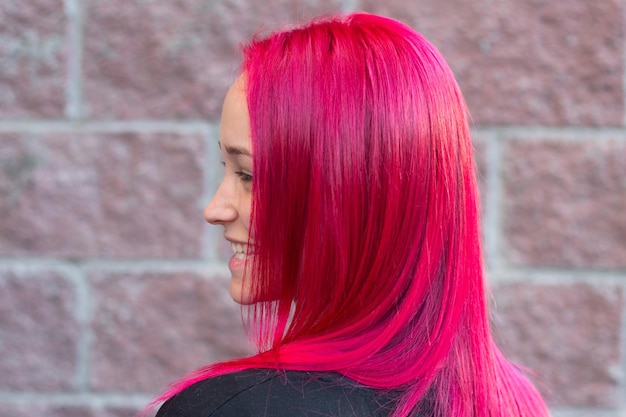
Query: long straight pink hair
{"type": "Point", "coordinates": [365, 221]}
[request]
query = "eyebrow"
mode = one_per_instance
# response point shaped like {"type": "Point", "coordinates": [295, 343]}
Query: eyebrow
{"type": "Point", "coordinates": [235, 150]}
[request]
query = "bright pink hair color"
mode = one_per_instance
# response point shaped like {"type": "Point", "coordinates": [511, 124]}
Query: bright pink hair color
{"type": "Point", "coordinates": [365, 220]}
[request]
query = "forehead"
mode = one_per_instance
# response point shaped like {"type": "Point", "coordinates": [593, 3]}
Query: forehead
{"type": "Point", "coordinates": [235, 122]}
{"type": "Point", "coordinates": [236, 96]}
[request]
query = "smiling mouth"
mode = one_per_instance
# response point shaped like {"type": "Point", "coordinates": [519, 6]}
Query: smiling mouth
{"type": "Point", "coordinates": [240, 250]}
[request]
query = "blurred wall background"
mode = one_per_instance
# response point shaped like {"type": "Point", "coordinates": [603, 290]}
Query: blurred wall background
{"type": "Point", "coordinates": [111, 285]}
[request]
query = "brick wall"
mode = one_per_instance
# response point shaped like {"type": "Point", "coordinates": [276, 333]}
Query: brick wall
{"type": "Point", "coordinates": [111, 285]}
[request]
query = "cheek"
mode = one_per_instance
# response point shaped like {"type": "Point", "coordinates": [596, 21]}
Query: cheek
{"type": "Point", "coordinates": [246, 209]}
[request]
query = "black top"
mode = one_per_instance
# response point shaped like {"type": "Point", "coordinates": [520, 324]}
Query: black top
{"type": "Point", "coordinates": [270, 393]}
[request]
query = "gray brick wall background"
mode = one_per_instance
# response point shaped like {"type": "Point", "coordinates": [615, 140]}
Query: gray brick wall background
{"type": "Point", "coordinates": [111, 285]}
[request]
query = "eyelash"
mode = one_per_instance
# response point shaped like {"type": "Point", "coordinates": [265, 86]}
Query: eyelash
{"type": "Point", "coordinates": [245, 177]}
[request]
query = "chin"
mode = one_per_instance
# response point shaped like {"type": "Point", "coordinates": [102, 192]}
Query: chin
{"type": "Point", "coordinates": [238, 294]}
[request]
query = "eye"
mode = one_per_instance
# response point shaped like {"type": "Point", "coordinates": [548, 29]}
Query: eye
{"type": "Point", "coordinates": [245, 177]}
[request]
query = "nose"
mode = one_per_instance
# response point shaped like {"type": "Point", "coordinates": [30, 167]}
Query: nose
{"type": "Point", "coordinates": [221, 209]}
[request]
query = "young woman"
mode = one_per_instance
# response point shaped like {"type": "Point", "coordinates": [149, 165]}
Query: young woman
{"type": "Point", "coordinates": [350, 199]}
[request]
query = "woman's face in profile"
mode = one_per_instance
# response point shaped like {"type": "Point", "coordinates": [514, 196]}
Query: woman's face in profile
{"type": "Point", "coordinates": [231, 204]}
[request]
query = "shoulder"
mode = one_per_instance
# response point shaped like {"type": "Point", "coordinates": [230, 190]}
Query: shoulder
{"type": "Point", "coordinates": [255, 393]}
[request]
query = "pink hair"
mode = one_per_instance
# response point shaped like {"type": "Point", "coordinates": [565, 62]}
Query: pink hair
{"type": "Point", "coordinates": [365, 220]}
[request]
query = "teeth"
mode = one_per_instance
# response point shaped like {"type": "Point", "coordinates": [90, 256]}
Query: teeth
{"type": "Point", "coordinates": [240, 250]}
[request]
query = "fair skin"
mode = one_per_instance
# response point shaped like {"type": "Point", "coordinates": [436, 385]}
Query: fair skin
{"type": "Point", "coordinates": [231, 204]}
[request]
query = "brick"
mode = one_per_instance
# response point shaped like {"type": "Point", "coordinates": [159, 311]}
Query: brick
{"type": "Point", "coordinates": [593, 412]}
{"type": "Point", "coordinates": [39, 331]}
{"type": "Point", "coordinates": [101, 195]}
{"type": "Point", "coordinates": [172, 59]}
{"type": "Point", "coordinates": [481, 159]}
{"type": "Point", "coordinates": [564, 203]}
{"type": "Point", "coordinates": [481, 143]}
{"type": "Point", "coordinates": [527, 62]}
{"type": "Point", "coordinates": [57, 410]}
{"type": "Point", "coordinates": [152, 328]}
{"type": "Point", "coordinates": [569, 335]}
{"type": "Point", "coordinates": [33, 59]}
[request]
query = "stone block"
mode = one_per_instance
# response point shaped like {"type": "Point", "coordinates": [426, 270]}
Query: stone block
{"type": "Point", "coordinates": [481, 159]}
{"type": "Point", "coordinates": [150, 329]}
{"type": "Point", "coordinates": [532, 62]}
{"type": "Point", "coordinates": [569, 335]}
{"type": "Point", "coordinates": [39, 331]}
{"type": "Point", "coordinates": [481, 144]}
{"type": "Point", "coordinates": [83, 195]}
{"type": "Point", "coordinates": [58, 410]}
{"type": "Point", "coordinates": [173, 59]}
{"type": "Point", "coordinates": [33, 59]}
{"type": "Point", "coordinates": [564, 203]}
